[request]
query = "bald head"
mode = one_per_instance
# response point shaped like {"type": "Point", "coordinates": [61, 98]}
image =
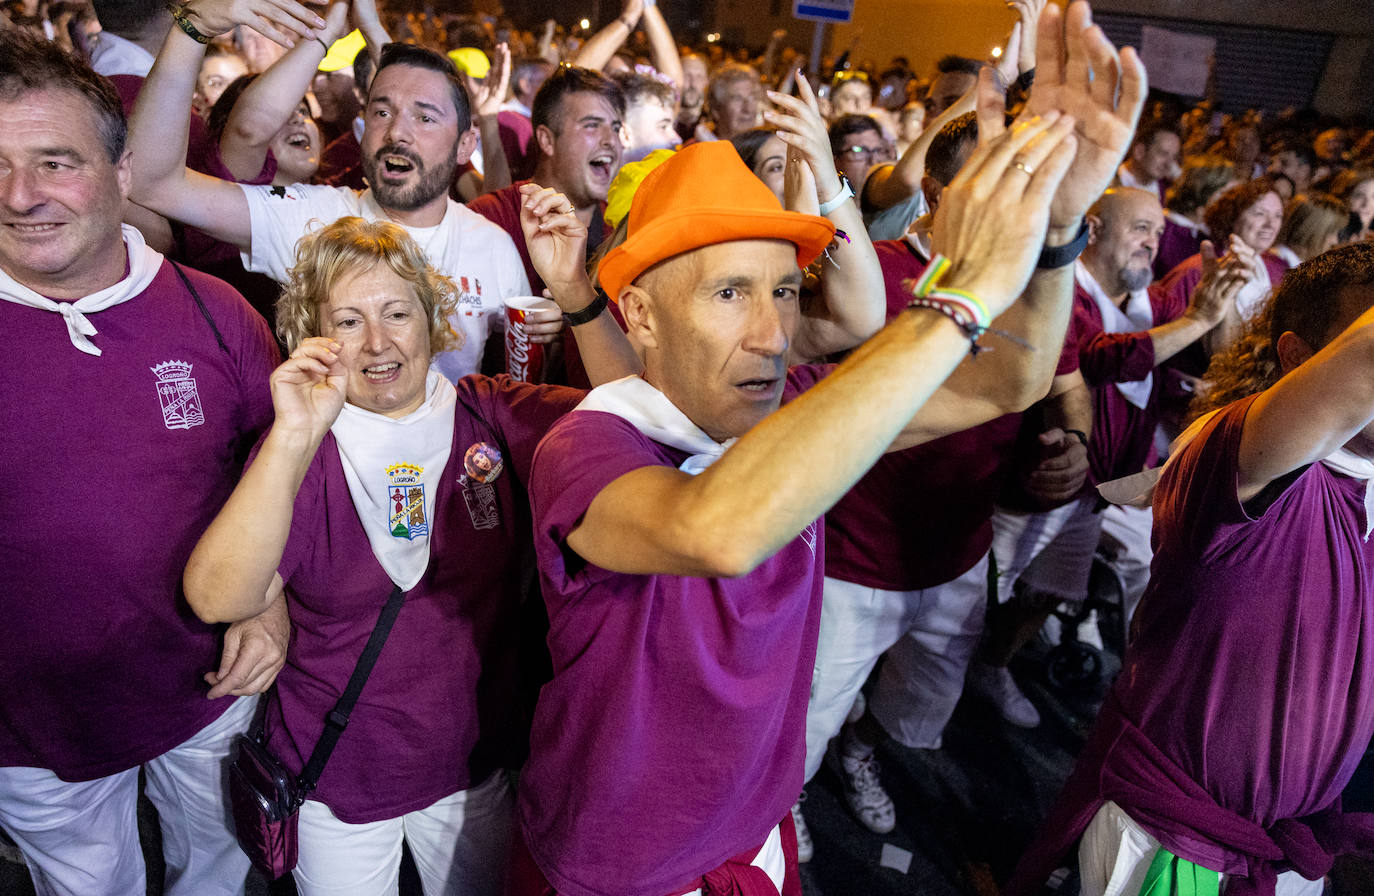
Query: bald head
{"type": "Point", "coordinates": [1125, 225]}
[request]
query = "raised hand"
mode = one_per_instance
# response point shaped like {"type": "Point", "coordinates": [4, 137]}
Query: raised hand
{"type": "Point", "coordinates": [309, 388]}
{"type": "Point", "coordinates": [489, 93]}
{"type": "Point", "coordinates": [992, 217]}
{"type": "Point", "coordinates": [1079, 73]}
{"type": "Point", "coordinates": [555, 237]}
{"type": "Point", "coordinates": [281, 21]}
{"type": "Point", "coordinates": [802, 127]}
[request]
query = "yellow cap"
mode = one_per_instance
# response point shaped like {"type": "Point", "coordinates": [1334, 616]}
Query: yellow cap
{"type": "Point", "coordinates": [470, 61]}
{"type": "Point", "coordinates": [627, 181]}
{"type": "Point", "coordinates": [342, 53]}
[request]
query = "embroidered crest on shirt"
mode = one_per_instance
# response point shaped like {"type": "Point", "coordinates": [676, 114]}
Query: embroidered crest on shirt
{"type": "Point", "coordinates": [407, 505]}
{"type": "Point", "coordinates": [176, 392]}
{"type": "Point", "coordinates": [470, 296]}
{"type": "Point", "coordinates": [482, 464]}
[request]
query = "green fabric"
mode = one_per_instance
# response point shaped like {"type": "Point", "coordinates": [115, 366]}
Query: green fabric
{"type": "Point", "coordinates": [1171, 876]}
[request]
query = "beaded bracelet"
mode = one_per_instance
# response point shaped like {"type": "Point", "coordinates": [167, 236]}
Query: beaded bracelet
{"type": "Point", "coordinates": [179, 16]}
{"type": "Point", "coordinates": [964, 308]}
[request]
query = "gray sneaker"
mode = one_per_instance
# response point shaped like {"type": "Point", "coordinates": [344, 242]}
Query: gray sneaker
{"type": "Point", "coordinates": [864, 792]}
{"type": "Point", "coordinates": [995, 685]}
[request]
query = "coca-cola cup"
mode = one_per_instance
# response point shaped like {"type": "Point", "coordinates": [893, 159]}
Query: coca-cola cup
{"type": "Point", "coordinates": [524, 359]}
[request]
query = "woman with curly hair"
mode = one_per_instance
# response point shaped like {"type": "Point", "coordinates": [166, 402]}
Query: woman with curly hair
{"type": "Point", "coordinates": [380, 473]}
{"type": "Point", "coordinates": [1251, 212]}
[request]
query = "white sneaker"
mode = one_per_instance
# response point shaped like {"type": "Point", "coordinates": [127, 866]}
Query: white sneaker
{"type": "Point", "coordinates": [864, 792]}
{"type": "Point", "coordinates": [1089, 632]}
{"type": "Point", "coordinates": [995, 684]}
{"type": "Point", "coordinates": [805, 848]}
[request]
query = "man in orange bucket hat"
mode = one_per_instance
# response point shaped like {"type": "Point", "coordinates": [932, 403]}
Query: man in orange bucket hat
{"type": "Point", "coordinates": [675, 512]}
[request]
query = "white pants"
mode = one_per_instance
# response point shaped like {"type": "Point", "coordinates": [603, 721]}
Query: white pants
{"type": "Point", "coordinates": [1053, 551]}
{"type": "Point", "coordinates": [935, 631]}
{"type": "Point", "coordinates": [81, 839]}
{"type": "Point", "coordinates": [1116, 853]}
{"type": "Point", "coordinates": [460, 845]}
{"type": "Point", "coordinates": [1126, 540]}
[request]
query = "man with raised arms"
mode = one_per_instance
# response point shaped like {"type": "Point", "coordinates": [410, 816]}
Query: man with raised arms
{"type": "Point", "coordinates": [416, 134]}
{"type": "Point", "coordinates": [669, 745]}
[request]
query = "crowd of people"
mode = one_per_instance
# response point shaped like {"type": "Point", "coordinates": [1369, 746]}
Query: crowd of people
{"type": "Point", "coordinates": [840, 386]}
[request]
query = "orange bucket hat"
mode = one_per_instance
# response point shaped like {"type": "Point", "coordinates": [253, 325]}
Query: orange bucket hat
{"type": "Point", "coordinates": [703, 195]}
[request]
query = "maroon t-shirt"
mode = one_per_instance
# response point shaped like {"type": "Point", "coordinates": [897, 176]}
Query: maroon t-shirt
{"type": "Point", "coordinates": [672, 736]}
{"type": "Point", "coordinates": [921, 517]}
{"type": "Point", "coordinates": [517, 135]}
{"type": "Point", "coordinates": [1122, 433]}
{"type": "Point", "coordinates": [111, 468]}
{"type": "Point", "coordinates": [502, 208]}
{"type": "Point", "coordinates": [221, 259]}
{"type": "Point", "coordinates": [438, 712]}
{"type": "Point", "coordinates": [341, 165]}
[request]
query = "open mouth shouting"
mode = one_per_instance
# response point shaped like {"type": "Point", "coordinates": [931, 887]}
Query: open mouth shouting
{"type": "Point", "coordinates": [603, 166]}
{"type": "Point", "coordinates": [395, 164]}
{"type": "Point", "coordinates": [298, 140]}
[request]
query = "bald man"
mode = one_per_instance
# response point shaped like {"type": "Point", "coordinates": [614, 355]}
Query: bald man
{"type": "Point", "coordinates": [1125, 328]}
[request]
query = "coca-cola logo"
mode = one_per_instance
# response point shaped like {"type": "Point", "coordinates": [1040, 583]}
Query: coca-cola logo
{"type": "Point", "coordinates": [523, 359]}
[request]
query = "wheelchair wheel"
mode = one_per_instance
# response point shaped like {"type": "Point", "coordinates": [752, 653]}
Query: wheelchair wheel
{"type": "Point", "coordinates": [1073, 666]}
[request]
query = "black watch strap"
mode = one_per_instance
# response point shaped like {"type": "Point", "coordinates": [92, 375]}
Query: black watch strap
{"type": "Point", "coordinates": [1052, 257]}
{"type": "Point", "coordinates": [588, 314]}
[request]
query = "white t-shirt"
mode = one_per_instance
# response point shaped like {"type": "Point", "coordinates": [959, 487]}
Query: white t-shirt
{"type": "Point", "coordinates": [473, 252]}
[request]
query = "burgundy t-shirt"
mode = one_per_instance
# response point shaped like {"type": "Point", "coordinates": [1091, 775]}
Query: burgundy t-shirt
{"type": "Point", "coordinates": [517, 137]}
{"type": "Point", "coordinates": [221, 259]}
{"type": "Point", "coordinates": [341, 165]}
{"type": "Point", "coordinates": [672, 736]}
{"type": "Point", "coordinates": [437, 715]}
{"type": "Point", "coordinates": [1253, 663]}
{"type": "Point", "coordinates": [111, 467]}
{"type": "Point", "coordinates": [1177, 244]}
{"type": "Point", "coordinates": [1122, 433]}
{"type": "Point", "coordinates": [921, 517]}
{"type": "Point", "coordinates": [502, 208]}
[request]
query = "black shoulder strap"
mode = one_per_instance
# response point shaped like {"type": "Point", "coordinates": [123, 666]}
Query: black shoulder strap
{"type": "Point", "coordinates": [337, 720]}
{"type": "Point", "coordinates": [205, 312]}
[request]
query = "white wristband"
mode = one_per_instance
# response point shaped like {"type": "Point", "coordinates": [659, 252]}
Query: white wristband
{"type": "Point", "coordinates": [846, 192]}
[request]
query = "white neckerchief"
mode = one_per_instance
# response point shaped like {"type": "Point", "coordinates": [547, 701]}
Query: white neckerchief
{"type": "Point", "coordinates": [433, 241]}
{"type": "Point", "coordinates": [1186, 223]}
{"type": "Point", "coordinates": [383, 458]}
{"type": "Point", "coordinates": [1138, 489]}
{"type": "Point", "coordinates": [144, 263]}
{"type": "Point", "coordinates": [1137, 316]}
{"type": "Point", "coordinates": [649, 411]}
{"type": "Point", "coordinates": [113, 55]}
{"type": "Point", "coordinates": [1287, 255]}
{"type": "Point", "coordinates": [918, 236]}
{"type": "Point", "coordinates": [1254, 293]}
{"type": "Point", "coordinates": [514, 105]}
{"type": "Point", "coordinates": [1347, 462]}
{"type": "Point", "coordinates": [1127, 179]}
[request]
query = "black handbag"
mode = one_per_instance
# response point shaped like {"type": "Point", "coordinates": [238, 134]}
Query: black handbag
{"type": "Point", "coordinates": [264, 796]}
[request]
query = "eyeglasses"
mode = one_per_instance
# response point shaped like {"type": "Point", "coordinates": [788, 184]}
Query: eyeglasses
{"type": "Point", "coordinates": [869, 153]}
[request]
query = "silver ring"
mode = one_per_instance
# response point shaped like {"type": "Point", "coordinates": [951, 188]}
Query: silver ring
{"type": "Point", "coordinates": [569, 210]}
{"type": "Point", "coordinates": [1022, 166]}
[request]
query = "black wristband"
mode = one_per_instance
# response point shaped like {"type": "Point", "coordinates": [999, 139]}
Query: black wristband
{"type": "Point", "coordinates": [1082, 436]}
{"type": "Point", "coordinates": [1024, 80]}
{"type": "Point", "coordinates": [1052, 257]}
{"type": "Point", "coordinates": [588, 314]}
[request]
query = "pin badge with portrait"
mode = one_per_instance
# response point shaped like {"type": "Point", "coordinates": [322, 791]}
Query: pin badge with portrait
{"type": "Point", "coordinates": [482, 464]}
